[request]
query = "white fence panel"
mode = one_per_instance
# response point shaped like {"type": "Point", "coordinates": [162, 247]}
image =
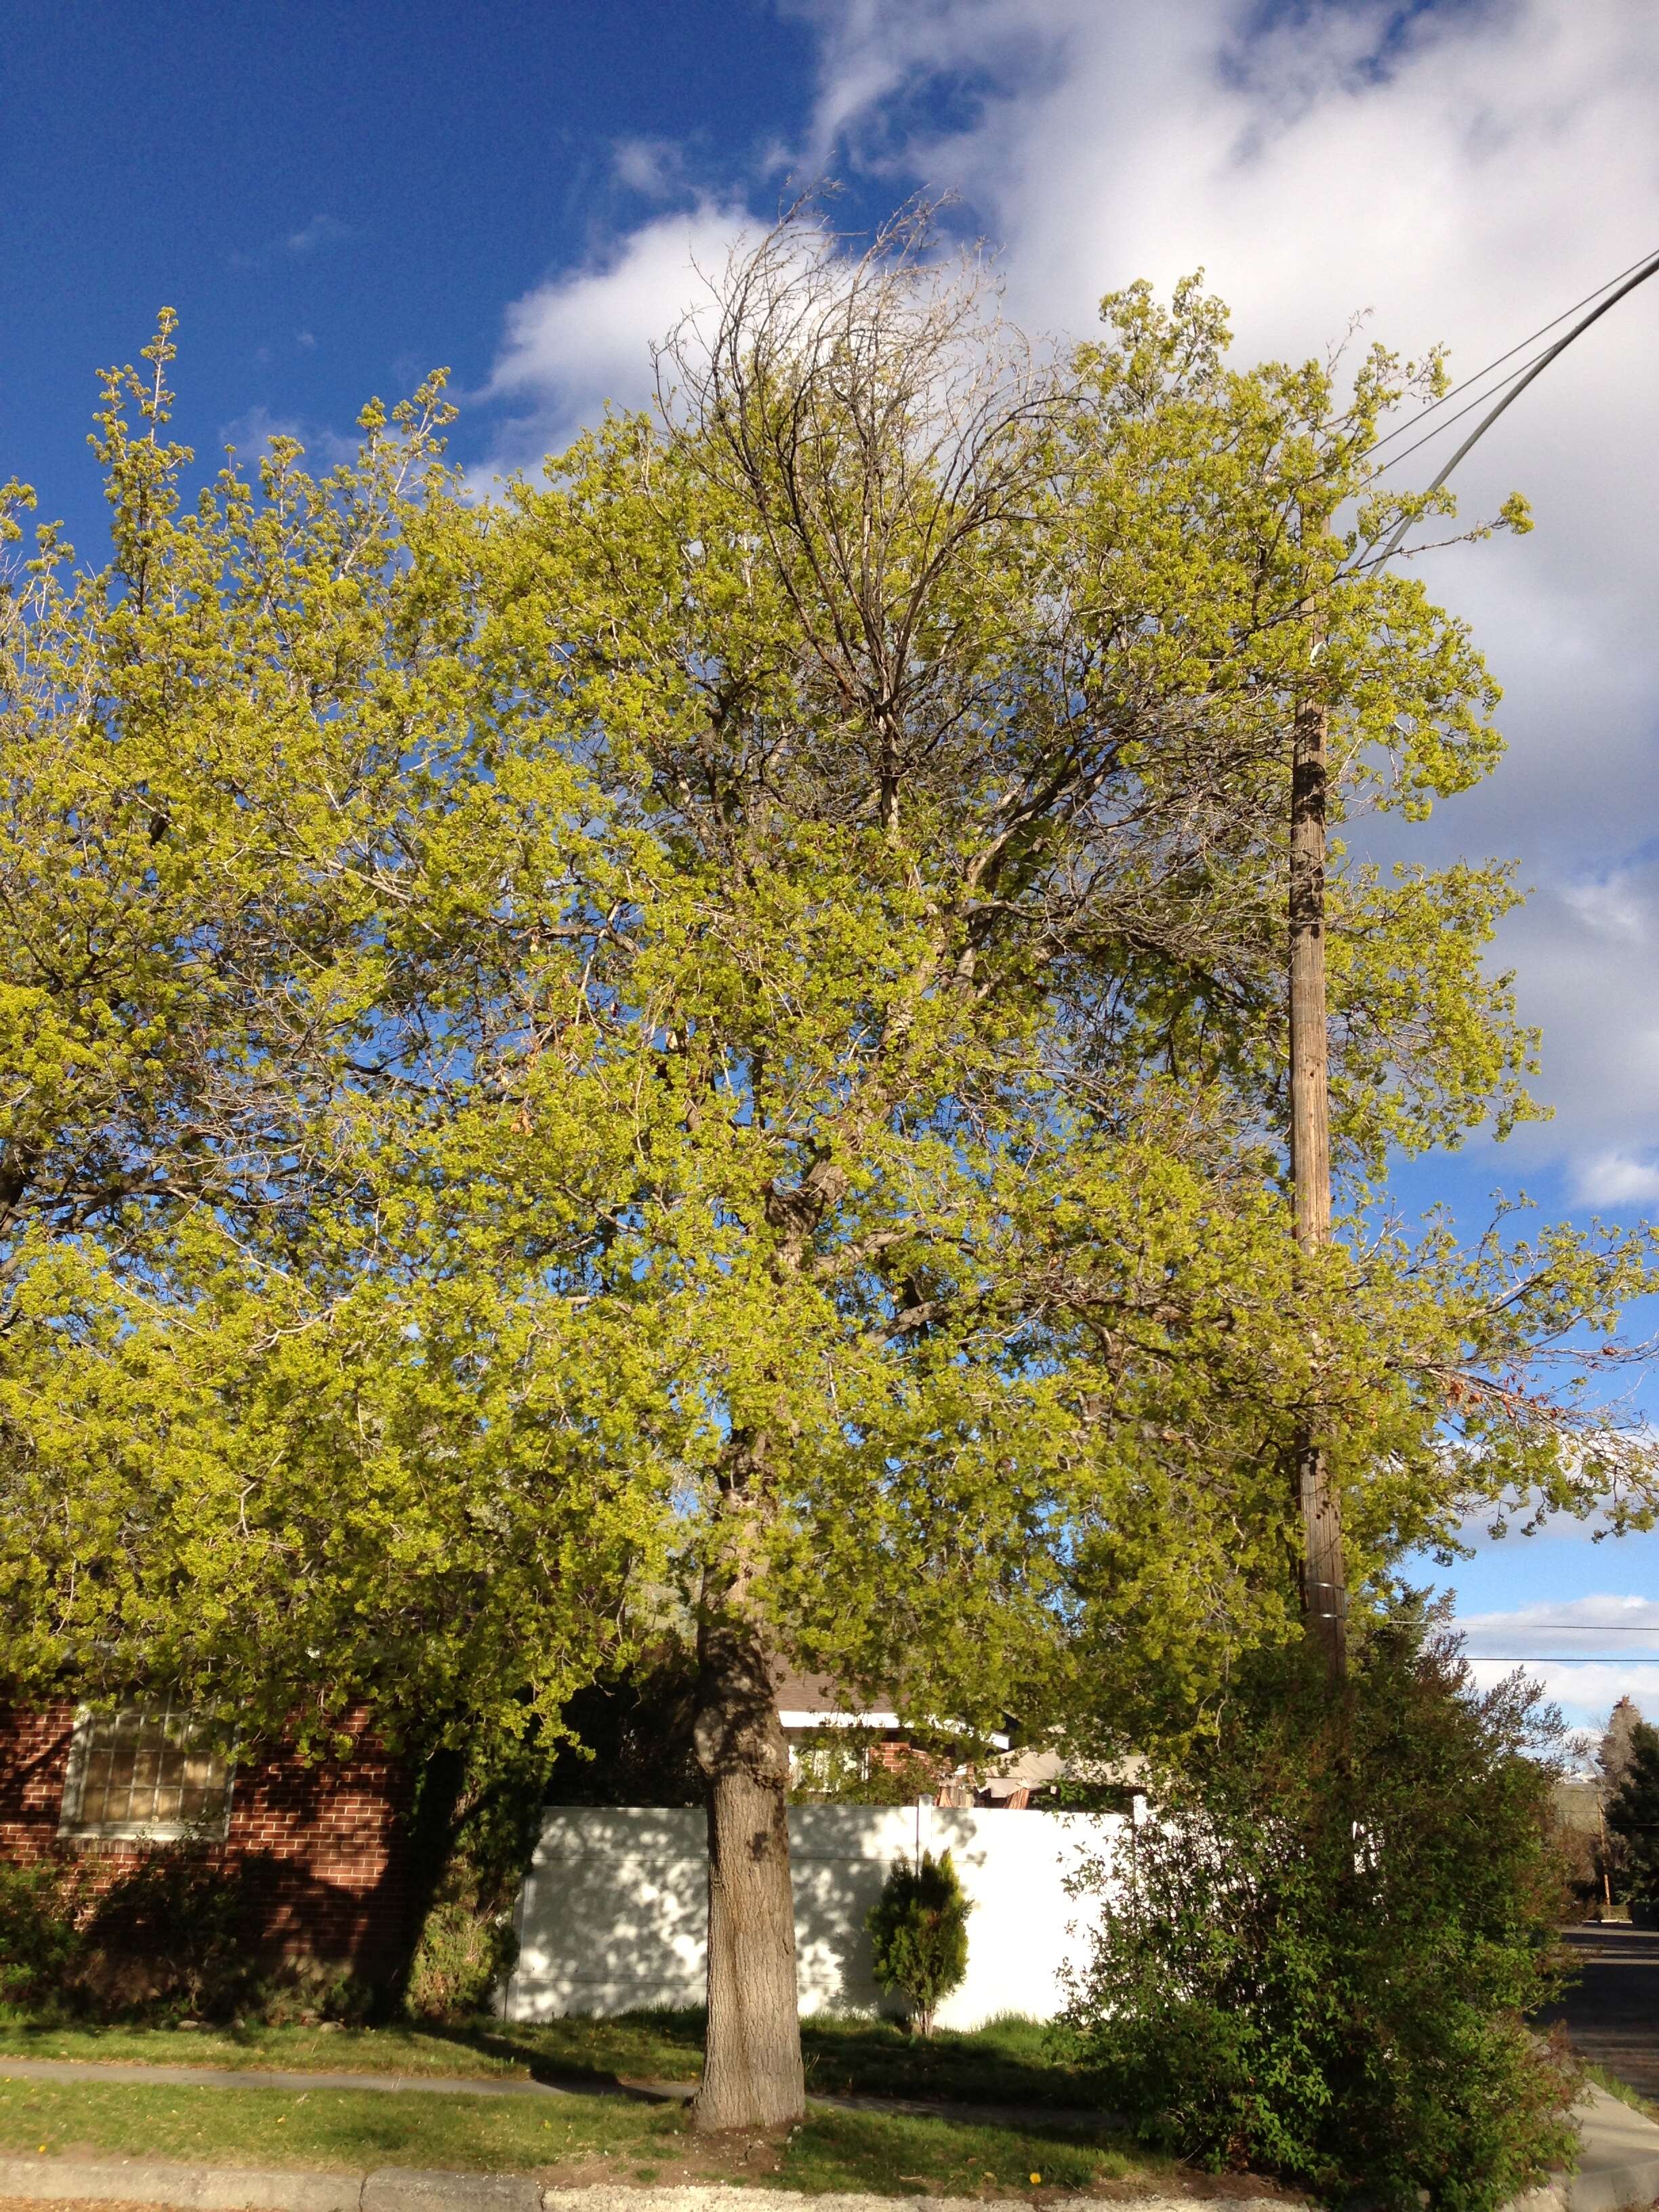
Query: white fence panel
{"type": "Point", "coordinates": [614, 1910]}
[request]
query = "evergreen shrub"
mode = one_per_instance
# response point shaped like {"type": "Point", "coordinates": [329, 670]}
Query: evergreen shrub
{"type": "Point", "coordinates": [1319, 1954]}
{"type": "Point", "coordinates": [919, 1928]}
{"type": "Point", "coordinates": [1634, 1816]}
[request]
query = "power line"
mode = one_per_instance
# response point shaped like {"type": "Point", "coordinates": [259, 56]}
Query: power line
{"type": "Point", "coordinates": [1479, 400]}
{"type": "Point", "coordinates": [1515, 386]}
{"type": "Point", "coordinates": [1464, 383]}
{"type": "Point", "coordinates": [1583, 1627]}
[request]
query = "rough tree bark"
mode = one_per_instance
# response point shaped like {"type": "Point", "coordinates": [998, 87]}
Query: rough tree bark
{"type": "Point", "coordinates": [1324, 1583]}
{"type": "Point", "coordinates": [752, 2076]}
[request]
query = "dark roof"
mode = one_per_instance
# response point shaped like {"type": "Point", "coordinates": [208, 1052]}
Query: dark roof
{"type": "Point", "coordinates": [798, 1691]}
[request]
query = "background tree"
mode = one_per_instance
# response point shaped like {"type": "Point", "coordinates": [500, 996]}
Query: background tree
{"type": "Point", "coordinates": [1612, 1753]}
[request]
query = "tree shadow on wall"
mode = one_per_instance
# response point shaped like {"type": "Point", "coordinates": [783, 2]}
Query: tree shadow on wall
{"type": "Point", "coordinates": [183, 1931]}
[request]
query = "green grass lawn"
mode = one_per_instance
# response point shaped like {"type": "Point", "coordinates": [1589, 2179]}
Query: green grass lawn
{"type": "Point", "coordinates": [1008, 2062]}
{"type": "Point", "coordinates": [573, 2138]}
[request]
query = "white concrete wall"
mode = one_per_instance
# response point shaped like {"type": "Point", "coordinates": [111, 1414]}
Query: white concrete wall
{"type": "Point", "coordinates": [614, 1910]}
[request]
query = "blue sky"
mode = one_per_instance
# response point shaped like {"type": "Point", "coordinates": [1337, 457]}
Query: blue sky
{"type": "Point", "coordinates": [337, 198]}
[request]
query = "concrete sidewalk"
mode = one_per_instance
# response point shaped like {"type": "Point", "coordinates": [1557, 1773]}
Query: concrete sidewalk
{"type": "Point", "coordinates": [139, 2071]}
{"type": "Point", "coordinates": [1618, 2164]}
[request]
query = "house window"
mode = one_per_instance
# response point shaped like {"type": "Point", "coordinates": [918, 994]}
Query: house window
{"type": "Point", "coordinates": [146, 1771]}
{"type": "Point", "coordinates": [828, 1763]}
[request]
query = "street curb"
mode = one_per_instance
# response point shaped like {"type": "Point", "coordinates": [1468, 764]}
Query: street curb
{"type": "Point", "coordinates": [402, 2188]}
{"type": "Point", "coordinates": [208, 2188]}
{"type": "Point", "coordinates": [247, 2189]}
{"type": "Point", "coordinates": [393, 2188]}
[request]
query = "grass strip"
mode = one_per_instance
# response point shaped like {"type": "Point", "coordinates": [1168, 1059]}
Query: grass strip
{"type": "Point", "coordinates": [316, 2127]}
{"type": "Point", "coordinates": [1605, 2079]}
{"type": "Point", "coordinates": [586, 2139]}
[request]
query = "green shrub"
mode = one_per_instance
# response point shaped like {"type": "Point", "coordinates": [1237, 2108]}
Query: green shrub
{"type": "Point", "coordinates": [462, 1957]}
{"type": "Point", "coordinates": [301, 1991]}
{"type": "Point", "coordinates": [919, 1928]}
{"type": "Point", "coordinates": [476, 1819]}
{"type": "Point", "coordinates": [170, 1935]}
{"type": "Point", "coordinates": [40, 1944]}
{"type": "Point", "coordinates": [1320, 1956]}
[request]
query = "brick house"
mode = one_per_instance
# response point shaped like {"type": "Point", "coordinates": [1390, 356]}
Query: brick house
{"type": "Point", "coordinates": [323, 1848]}
{"type": "Point", "coordinates": [813, 1709]}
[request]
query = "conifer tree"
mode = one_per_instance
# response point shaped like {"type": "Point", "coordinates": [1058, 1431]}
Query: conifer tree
{"type": "Point", "coordinates": [1633, 1814]}
{"type": "Point", "coordinates": [919, 1934]}
{"type": "Point", "coordinates": [1612, 1753]}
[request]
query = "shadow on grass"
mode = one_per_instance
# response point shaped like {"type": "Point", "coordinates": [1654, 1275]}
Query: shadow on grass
{"type": "Point", "coordinates": [1010, 2063]}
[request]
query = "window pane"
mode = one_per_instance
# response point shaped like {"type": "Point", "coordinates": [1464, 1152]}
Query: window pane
{"type": "Point", "coordinates": [144, 1766]}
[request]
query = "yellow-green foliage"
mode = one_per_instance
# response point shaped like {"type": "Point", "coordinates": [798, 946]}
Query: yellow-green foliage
{"type": "Point", "coordinates": [713, 1025]}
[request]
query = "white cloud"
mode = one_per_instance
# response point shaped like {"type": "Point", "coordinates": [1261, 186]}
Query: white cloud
{"type": "Point", "coordinates": [250, 433]}
{"type": "Point", "coordinates": [1618, 1635]}
{"type": "Point", "coordinates": [1468, 173]}
{"type": "Point", "coordinates": [1585, 973]}
{"type": "Point", "coordinates": [1604, 1626]}
{"type": "Point", "coordinates": [1615, 1179]}
{"type": "Point", "coordinates": [585, 338]}
{"type": "Point", "coordinates": [653, 166]}
{"type": "Point", "coordinates": [1611, 909]}
{"type": "Point", "coordinates": [321, 230]}
{"type": "Point", "coordinates": [1585, 1693]}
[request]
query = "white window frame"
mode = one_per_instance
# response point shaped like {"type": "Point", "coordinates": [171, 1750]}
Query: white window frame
{"type": "Point", "coordinates": [72, 1828]}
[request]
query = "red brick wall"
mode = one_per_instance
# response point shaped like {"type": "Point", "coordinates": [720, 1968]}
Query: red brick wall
{"type": "Point", "coordinates": [326, 1844]}
{"type": "Point", "coordinates": [34, 1753]}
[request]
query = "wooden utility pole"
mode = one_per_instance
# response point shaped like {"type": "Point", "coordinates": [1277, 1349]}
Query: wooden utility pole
{"type": "Point", "coordinates": [1324, 1583]}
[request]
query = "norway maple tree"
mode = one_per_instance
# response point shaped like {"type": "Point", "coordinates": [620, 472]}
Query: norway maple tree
{"type": "Point", "coordinates": [738, 986]}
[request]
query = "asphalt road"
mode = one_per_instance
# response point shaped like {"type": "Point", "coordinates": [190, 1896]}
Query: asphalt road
{"type": "Point", "coordinates": [1612, 2013]}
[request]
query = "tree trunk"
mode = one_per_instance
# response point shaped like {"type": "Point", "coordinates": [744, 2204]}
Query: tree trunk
{"type": "Point", "coordinates": [1324, 1583]}
{"type": "Point", "coordinates": [429, 1845]}
{"type": "Point", "coordinates": [752, 2075]}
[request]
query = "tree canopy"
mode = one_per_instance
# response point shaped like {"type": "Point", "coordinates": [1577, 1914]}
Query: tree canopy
{"type": "Point", "coordinates": [704, 1039]}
